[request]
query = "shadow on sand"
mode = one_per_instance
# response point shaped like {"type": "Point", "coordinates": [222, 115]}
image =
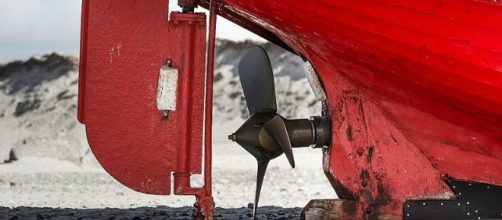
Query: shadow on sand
{"type": "Point", "coordinates": [160, 212]}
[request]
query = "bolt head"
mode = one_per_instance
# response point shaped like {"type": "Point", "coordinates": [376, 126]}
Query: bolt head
{"type": "Point", "coordinates": [232, 137]}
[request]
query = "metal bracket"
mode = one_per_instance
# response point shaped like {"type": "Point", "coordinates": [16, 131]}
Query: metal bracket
{"type": "Point", "coordinates": [474, 201]}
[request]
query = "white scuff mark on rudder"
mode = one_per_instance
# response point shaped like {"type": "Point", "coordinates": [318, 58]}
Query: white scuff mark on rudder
{"type": "Point", "coordinates": [115, 52]}
{"type": "Point", "coordinates": [166, 89]}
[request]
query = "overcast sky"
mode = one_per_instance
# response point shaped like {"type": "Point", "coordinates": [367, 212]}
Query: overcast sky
{"type": "Point", "coordinates": [35, 27]}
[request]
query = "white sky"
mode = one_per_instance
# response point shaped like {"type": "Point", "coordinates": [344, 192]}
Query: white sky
{"type": "Point", "coordinates": [35, 27]}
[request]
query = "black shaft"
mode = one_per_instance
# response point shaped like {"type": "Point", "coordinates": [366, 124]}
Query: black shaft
{"type": "Point", "coordinates": [301, 132]}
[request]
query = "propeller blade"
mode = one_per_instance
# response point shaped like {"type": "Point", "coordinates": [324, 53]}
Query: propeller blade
{"type": "Point", "coordinates": [277, 129]}
{"type": "Point", "coordinates": [262, 168]}
{"type": "Point", "coordinates": [257, 80]}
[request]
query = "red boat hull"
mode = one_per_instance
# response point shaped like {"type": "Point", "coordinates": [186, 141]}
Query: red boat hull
{"type": "Point", "coordinates": [414, 89]}
{"type": "Point", "coordinates": [414, 93]}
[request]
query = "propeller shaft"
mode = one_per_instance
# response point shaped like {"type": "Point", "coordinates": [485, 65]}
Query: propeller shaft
{"type": "Point", "coordinates": [313, 132]}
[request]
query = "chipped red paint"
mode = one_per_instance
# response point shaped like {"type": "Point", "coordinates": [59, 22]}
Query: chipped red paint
{"type": "Point", "coordinates": [414, 90]}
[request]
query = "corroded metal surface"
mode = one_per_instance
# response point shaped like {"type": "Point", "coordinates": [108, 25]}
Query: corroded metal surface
{"type": "Point", "coordinates": [336, 209]}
